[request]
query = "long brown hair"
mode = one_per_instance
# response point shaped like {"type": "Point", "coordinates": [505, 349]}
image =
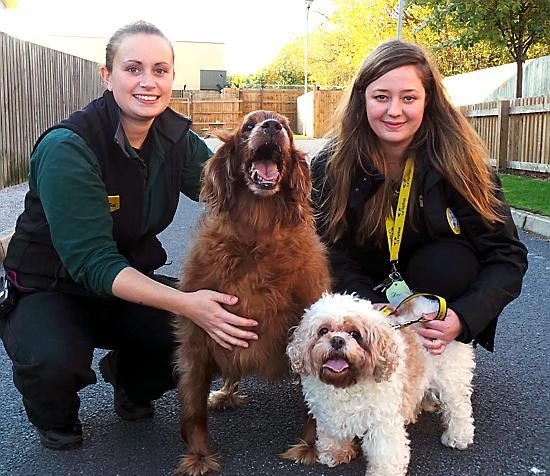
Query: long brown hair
{"type": "Point", "coordinates": [452, 145]}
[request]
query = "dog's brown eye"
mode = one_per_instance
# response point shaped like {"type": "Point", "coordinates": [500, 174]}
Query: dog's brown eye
{"type": "Point", "coordinates": [323, 331]}
{"type": "Point", "coordinates": [356, 335]}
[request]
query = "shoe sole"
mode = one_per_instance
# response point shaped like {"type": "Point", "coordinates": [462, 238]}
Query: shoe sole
{"type": "Point", "coordinates": [132, 416]}
{"type": "Point", "coordinates": [61, 445]}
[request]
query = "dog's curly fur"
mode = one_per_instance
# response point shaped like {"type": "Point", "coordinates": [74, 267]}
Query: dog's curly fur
{"type": "Point", "coordinates": [364, 379]}
{"type": "Point", "coordinates": [257, 241]}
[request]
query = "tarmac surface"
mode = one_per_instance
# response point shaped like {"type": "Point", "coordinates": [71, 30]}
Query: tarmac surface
{"type": "Point", "coordinates": [511, 401]}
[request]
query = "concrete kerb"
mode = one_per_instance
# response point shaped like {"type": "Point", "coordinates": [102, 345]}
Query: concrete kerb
{"type": "Point", "coordinates": [531, 222]}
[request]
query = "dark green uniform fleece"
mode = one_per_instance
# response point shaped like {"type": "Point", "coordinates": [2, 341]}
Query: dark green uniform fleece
{"type": "Point", "coordinates": [66, 178]}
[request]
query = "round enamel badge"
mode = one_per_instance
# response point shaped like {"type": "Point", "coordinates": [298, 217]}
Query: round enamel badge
{"type": "Point", "coordinates": [453, 221]}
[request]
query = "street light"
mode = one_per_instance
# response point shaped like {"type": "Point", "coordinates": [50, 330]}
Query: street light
{"type": "Point", "coordinates": [400, 19]}
{"type": "Point", "coordinates": [308, 6]}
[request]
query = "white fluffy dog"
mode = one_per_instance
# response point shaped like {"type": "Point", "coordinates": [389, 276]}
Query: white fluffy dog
{"type": "Point", "coordinates": [363, 378]}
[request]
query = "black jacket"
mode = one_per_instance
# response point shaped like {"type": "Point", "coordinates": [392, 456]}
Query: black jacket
{"type": "Point", "coordinates": [502, 256]}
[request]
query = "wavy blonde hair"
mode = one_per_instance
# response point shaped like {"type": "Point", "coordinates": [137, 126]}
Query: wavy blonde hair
{"type": "Point", "coordinates": [452, 145]}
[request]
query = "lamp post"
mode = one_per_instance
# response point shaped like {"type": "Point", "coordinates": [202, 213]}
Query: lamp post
{"type": "Point", "coordinates": [308, 6]}
{"type": "Point", "coordinates": [400, 18]}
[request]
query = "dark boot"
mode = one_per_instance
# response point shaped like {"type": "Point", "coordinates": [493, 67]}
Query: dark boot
{"type": "Point", "coordinates": [124, 407]}
{"type": "Point", "coordinates": [67, 438]}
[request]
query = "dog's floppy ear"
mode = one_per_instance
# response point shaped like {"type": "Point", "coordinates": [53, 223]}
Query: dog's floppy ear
{"type": "Point", "coordinates": [300, 179]}
{"type": "Point", "coordinates": [217, 178]}
{"type": "Point", "coordinates": [299, 347]}
{"type": "Point", "coordinates": [295, 351]}
{"type": "Point", "coordinates": [384, 349]}
{"type": "Point", "coordinates": [299, 183]}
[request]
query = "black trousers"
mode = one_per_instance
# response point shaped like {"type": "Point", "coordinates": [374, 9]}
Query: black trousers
{"type": "Point", "coordinates": [51, 336]}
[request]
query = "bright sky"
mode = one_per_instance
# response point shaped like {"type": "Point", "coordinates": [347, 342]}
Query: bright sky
{"type": "Point", "coordinates": [252, 30]}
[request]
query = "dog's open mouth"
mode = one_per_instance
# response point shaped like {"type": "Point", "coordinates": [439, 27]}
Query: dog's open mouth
{"type": "Point", "coordinates": [336, 364]}
{"type": "Point", "coordinates": [265, 167]}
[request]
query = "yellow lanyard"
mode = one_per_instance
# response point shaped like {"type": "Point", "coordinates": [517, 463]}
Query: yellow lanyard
{"type": "Point", "coordinates": [395, 226]}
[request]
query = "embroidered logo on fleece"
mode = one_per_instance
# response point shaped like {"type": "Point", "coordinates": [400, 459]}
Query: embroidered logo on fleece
{"type": "Point", "coordinates": [114, 202]}
{"type": "Point", "coordinates": [453, 221]}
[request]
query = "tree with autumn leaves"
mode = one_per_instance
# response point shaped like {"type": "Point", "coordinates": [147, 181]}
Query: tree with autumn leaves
{"type": "Point", "coordinates": [521, 27]}
{"type": "Point", "coordinates": [462, 36]}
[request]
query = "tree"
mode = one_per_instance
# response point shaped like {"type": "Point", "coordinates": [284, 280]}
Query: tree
{"type": "Point", "coordinates": [337, 48]}
{"type": "Point", "coordinates": [450, 58]}
{"type": "Point", "coordinates": [517, 25]}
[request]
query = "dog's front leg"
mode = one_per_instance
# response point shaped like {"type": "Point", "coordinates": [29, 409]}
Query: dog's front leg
{"type": "Point", "coordinates": [333, 450]}
{"type": "Point", "coordinates": [228, 396]}
{"type": "Point", "coordinates": [455, 394]}
{"type": "Point", "coordinates": [196, 373]}
{"type": "Point", "coordinates": [386, 446]}
{"type": "Point", "coordinates": [304, 451]}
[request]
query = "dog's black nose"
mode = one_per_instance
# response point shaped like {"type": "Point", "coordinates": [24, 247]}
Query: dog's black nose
{"type": "Point", "coordinates": [271, 125]}
{"type": "Point", "coordinates": [337, 342]}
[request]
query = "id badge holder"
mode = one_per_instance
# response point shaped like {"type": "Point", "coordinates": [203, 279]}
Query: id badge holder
{"type": "Point", "coordinates": [397, 290]}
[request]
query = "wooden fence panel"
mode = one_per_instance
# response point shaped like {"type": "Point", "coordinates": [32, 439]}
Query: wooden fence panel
{"type": "Point", "coordinates": [38, 87]}
{"type": "Point", "coordinates": [325, 103]}
{"type": "Point", "coordinates": [524, 124]}
{"type": "Point", "coordinates": [528, 133]}
{"type": "Point", "coordinates": [181, 105]}
{"type": "Point", "coordinates": [211, 110]}
{"type": "Point", "coordinates": [216, 114]}
{"type": "Point", "coordinates": [281, 100]}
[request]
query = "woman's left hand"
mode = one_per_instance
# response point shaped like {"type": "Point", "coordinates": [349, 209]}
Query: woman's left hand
{"type": "Point", "coordinates": [438, 334]}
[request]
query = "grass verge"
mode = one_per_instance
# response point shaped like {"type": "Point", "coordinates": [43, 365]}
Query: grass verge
{"type": "Point", "coordinates": [527, 193]}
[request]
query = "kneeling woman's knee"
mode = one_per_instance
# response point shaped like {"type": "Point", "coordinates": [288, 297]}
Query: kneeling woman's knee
{"type": "Point", "coordinates": [56, 365]}
{"type": "Point", "coordinates": [445, 268]}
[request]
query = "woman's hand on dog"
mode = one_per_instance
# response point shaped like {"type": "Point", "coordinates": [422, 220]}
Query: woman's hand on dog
{"type": "Point", "coordinates": [438, 334]}
{"type": "Point", "coordinates": [204, 309]}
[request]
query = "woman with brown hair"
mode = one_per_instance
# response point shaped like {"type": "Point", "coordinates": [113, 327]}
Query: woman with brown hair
{"type": "Point", "coordinates": [407, 203]}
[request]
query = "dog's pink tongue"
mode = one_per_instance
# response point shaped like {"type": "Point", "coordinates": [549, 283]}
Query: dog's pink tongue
{"type": "Point", "coordinates": [267, 170]}
{"type": "Point", "coordinates": [336, 365]}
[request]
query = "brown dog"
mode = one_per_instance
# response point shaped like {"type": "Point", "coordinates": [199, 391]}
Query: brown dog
{"type": "Point", "coordinates": [257, 241]}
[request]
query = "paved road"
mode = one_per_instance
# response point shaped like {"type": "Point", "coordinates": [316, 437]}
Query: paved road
{"type": "Point", "coordinates": [511, 402]}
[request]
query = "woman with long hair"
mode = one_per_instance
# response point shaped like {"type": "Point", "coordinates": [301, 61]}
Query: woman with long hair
{"type": "Point", "coordinates": [407, 203]}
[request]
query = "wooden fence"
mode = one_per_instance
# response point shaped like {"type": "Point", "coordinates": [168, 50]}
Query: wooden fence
{"type": "Point", "coordinates": [325, 103]}
{"type": "Point", "coordinates": [38, 87]}
{"type": "Point", "coordinates": [225, 110]}
{"type": "Point", "coordinates": [517, 132]}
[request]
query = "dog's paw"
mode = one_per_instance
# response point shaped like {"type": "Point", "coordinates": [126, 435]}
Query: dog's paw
{"type": "Point", "coordinates": [302, 453]}
{"type": "Point", "coordinates": [430, 403]}
{"type": "Point", "coordinates": [459, 441]}
{"type": "Point", "coordinates": [193, 464]}
{"type": "Point", "coordinates": [224, 400]}
{"type": "Point", "coordinates": [325, 457]}
{"type": "Point", "coordinates": [342, 454]}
